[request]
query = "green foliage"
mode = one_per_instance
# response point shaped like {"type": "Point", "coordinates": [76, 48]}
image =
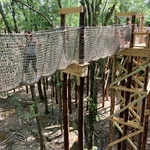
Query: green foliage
{"type": "Point", "coordinates": [18, 106]}
{"type": "Point", "coordinates": [98, 117]}
{"type": "Point", "coordinates": [92, 105]}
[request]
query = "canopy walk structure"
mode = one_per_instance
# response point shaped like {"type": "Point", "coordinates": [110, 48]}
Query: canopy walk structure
{"type": "Point", "coordinates": [70, 50]}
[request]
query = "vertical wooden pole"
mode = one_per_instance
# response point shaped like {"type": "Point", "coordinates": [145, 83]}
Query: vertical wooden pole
{"type": "Point", "coordinates": [103, 83]}
{"type": "Point", "coordinates": [142, 110]}
{"type": "Point", "coordinates": [56, 92]}
{"type": "Point", "coordinates": [81, 115]}
{"type": "Point", "coordinates": [141, 40]}
{"type": "Point", "coordinates": [116, 20]}
{"type": "Point", "coordinates": [46, 83]}
{"type": "Point", "coordinates": [127, 101]}
{"type": "Point", "coordinates": [145, 133]}
{"type": "Point", "coordinates": [81, 86]}
{"type": "Point", "coordinates": [76, 95]}
{"type": "Point", "coordinates": [121, 116]}
{"type": "Point", "coordinates": [69, 95]}
{"type": "Point", "coordinates": [138, 59]}
{"type": "Point", "coordinates": [107, 77]}
{"type": "Point", "coordinates": [65, 100]}
{"type": "Point", "coordinates": [111, 129]}
{"type": "Point", "coordinates": [65, 113]}
{"type": "Point", "coordinates": [87, 90]}
{"type": "Point", "coordinates": [127, 94]}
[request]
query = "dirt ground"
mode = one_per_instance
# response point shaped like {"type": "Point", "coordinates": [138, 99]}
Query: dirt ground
{"type": "Point", "coordinates": [18, 130]}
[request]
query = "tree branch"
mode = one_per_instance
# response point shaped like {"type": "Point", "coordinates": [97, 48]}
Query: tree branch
{"type": "Point", "coordinates": [49, 21]}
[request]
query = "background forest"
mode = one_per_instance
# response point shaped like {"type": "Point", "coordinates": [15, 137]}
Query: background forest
{"type": "Point", "coordinates": [18, 15]}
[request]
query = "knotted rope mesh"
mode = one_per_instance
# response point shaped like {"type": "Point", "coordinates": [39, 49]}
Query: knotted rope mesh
{"type": "Point", "coordinates": [59, 49]}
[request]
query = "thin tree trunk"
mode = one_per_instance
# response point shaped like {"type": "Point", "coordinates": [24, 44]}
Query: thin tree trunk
{"type": "Point", "coordinates": [45, 96]}
{"type": "Point", "coordinates": [40, 91]}
{"type": "Point", "coordinates": [42, 141]}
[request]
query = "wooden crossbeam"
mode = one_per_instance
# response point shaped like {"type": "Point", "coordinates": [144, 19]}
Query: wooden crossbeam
{"type": "Point", "coordinates": [124, 88]}
{"type": "Point", "coordinates": [71, 10]}
{"type": "Point", "coordinates": [127, 106]}
{"type": "Point", "coordinates": [126, 14]}
{"type": "Point", "coordinates": [135, 52]}
{"type": "Point", "coordinates": [121, 68]}
{"type": "Point", "coordinates": [125, 137]}
{"type": "Point", "coordinates": [130, 108]}
{"type": "Point", "coordinates": [128, 123]}
{"type": "Point", "coordinates": [121, 131]}
{"type": "Point", "coordinates": [138, 81]}
{"type": "Point", "coordinates": [130, 74]}
{"type": "Point", "coordinates": [134, 113]}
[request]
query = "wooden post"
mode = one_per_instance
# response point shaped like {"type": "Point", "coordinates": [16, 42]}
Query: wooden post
{"type": "Point", "coordinates": [138, 59]}
{"type": "Point", "coordinates": [69, 94]}
{"type": "Point", "coordinates": [145, 133]}
{"type": "Point", "coordinates": [127, 94]}
{"type": "Point", "coordinates": [127, 101]}
{"type": "Point", "coordinates": [65, 113]}
{"type": "Point", "coordinates": [87, 90]}
{"type": "Point", "coordinates": [116, 20]}
{"type": "Point", "coordinates": [111, 129]}
{"type": "Point", "coordinates": [81, 115]}
{"type": "Point", "coordinates": [121, 116]}
{"type": "Point", "coordinates": [65, 100]}
{"type": "Point", "coordinates": [141, 29]}
{"type": "Point", "coordinates": [81, 86]}
{"type": "Point", "coordinates": [143, 110]}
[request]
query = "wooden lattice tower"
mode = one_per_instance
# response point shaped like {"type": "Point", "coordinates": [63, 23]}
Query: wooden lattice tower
{"type": "Point", "coordinates": [130, 78]}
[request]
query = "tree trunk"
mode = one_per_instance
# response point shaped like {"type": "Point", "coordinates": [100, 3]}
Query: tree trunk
{"type": "Point", "coordinates": [40, 91]}
{"type": "Point", "coordinates": [45, 96]}
{"type": "Point", "coordinates": [42, 141]}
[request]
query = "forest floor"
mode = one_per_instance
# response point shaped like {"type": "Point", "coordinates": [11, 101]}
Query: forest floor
{"type": "Point", "coordinates": [18, 129]}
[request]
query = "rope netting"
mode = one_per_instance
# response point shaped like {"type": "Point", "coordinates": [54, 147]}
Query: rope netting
{"type": "Point", "coordinates": [58, 49]}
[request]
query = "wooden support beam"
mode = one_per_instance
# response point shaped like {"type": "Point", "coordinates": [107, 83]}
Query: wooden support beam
{"type": "Point", "coordinates": [135, 52]}
{"type": "Point", "coordinates": [79, 70]}
{"type": "Point", "coordinates": [125, 137]}
{"type": "Point", "coordinates": [130, 74]}
{"type": "Point", "coordinates": [121, 131]}
{"type": "Point", "coordinates": [135, 90]}
{"type": "Point", "coordinates": [126, 14]}
{"type": "Point", "coordinates": [112, 108]}
{"type": "Point", "coordinates": [127, 106]}
{"type": "Point", "coordinates": [73, 10]}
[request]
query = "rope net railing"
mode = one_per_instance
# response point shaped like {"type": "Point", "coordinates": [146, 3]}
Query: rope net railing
{"type": "Point", "coordinates": [58, 49]}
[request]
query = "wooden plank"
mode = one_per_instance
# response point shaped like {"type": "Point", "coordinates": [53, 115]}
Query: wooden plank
{"type": "Point", "coordinates": [124, 88]}
{"type": "Point", "coordinates": [134, 113]}
{"type": "Point", "coordinates": [125, 137]}
{"type": "Point", "coordinates": [140, 33]}
{"type": "Point", "coordinates": [139, 15]}
{"type": "Point", "coordinates": [121, 131]}
{"type": "Point", "coordinates": [71, 10]}
{"type": "Point", "coordinates": [128, 123]}
{"type": "Point", "coordinates": [137, 81]}
{"type": "Point", "coordinates": [127, 14]}
{"type": "Point", "coordinates": [135, 52]}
